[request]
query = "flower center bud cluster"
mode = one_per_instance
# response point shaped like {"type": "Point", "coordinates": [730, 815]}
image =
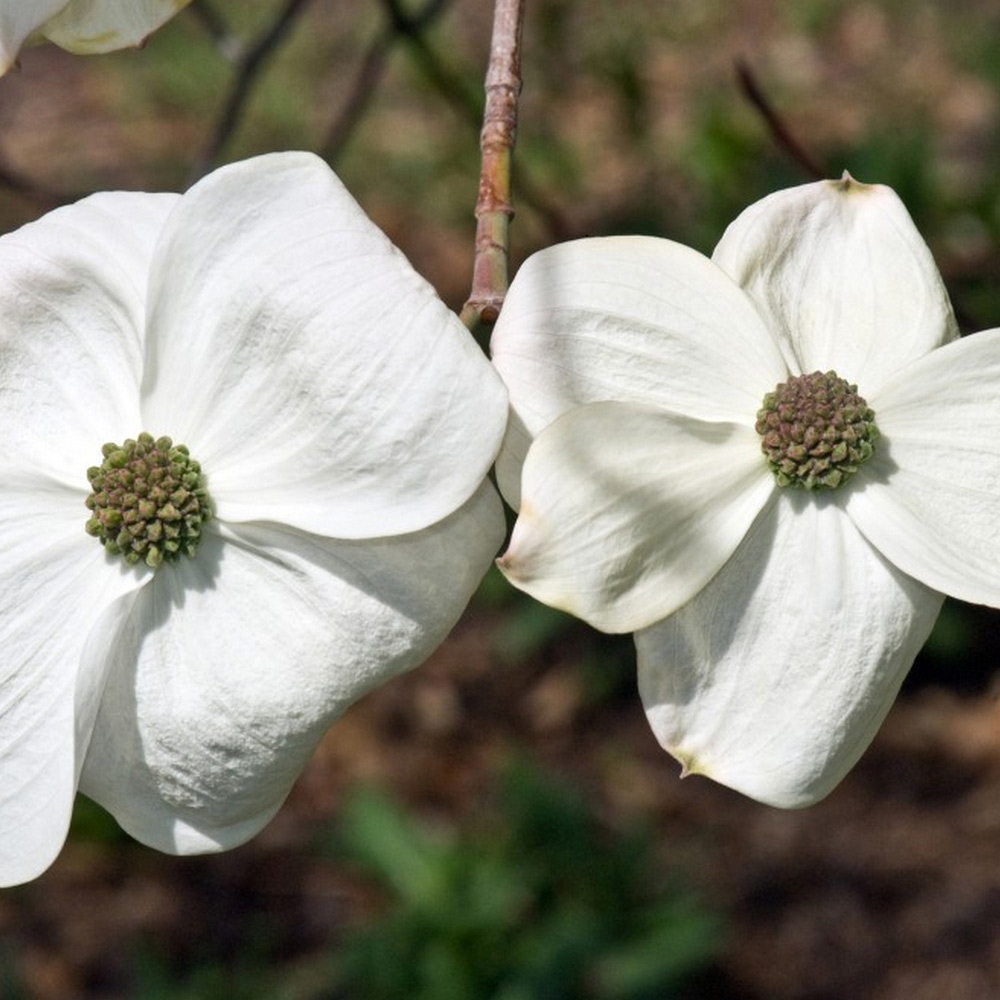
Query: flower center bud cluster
{"type": "Point", "coordinates": [149, 501]}
{"type": "Point", "coordinates": [816, 431]}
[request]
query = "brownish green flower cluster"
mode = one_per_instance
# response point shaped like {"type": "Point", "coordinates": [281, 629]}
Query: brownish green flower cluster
{"type": "Point", "coordinates": [149, 501]}
{"type": "Point", "coordinates": [816, 431]}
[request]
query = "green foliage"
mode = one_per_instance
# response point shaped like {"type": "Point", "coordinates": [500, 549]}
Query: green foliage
{"type": "Point", "coordinates": [530, 630]}
{"type": "Point", "coordinates": [728, 163]}
{"type": "Point", "coordinates": [154, 981]}
{"type": "Point", "coordinates": [93, 823]}
{"type": "Point", "coordinates": [541, 904]}
{"type": "Point", "coordinates": [11, 987]}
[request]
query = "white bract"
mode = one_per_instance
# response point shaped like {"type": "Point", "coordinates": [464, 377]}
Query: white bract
{"type": "Point", "coordinates": [83, 26]}
{"type": "Point", "coordinates": [344, 421]}
{"type": "Point", "coordinates": [774, 623]}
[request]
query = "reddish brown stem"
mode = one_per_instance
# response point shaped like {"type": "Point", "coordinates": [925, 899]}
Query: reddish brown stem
{"type": "Point", "coordinates": [779, 130]}
{"type": "Point", "coordinates": [494, 208]}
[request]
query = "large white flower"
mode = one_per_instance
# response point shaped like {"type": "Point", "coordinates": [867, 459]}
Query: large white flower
{"type": "Point", "coordinates": [344, 422]}
{"type": "Point", "coordinates": [84, 26]}
{"type": "Point", "coordinates": [776, 622]}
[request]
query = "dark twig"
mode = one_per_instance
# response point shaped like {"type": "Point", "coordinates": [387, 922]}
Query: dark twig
{"type": "Point", "coordinates": [494, 208]}
{"type": "Point", "coordinates": [445, 81]}
{"type": "Point", "coordinates": [469, 107]}
{"type": "Point", "coordinates": [216, 28]}
{"type": "Point", "coordinates": [373, 65]}
{"type": "Point", "coordinates": [248, 65]}
{"type": "Point", "coordinates": [779, 130]}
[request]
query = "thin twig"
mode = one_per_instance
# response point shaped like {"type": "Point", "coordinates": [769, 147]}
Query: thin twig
{"type": "Point", "coordinates": [248, 65]}
{"type": "Point", "coordinates": [210, 19]}
{"type": "Point", "coordinates": [443, 79]}
{"type": "Point", "coordinates": [494, 208]}
{"type": "Point", "coordinates": [216, 28]}
{"type": "Point", "coordinates": [779, 130]}
{"type": "Point", "coordinates": [469, 107]}
{"type": "Point", "coordinates": [373, 66]}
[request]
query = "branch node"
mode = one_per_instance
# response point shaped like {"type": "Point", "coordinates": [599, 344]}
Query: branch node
{"type": "Point", "coordinates": [494, 207]}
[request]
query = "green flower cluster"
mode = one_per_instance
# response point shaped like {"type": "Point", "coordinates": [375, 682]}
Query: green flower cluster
{"type": "Point", "coordinates": [149, 501]}
{"type": "Point", "coordinates": [816, 431]}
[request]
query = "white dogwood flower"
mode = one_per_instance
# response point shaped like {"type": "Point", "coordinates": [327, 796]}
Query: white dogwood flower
{"type": "Point", "coordinates": [771, 464]}
{"type": "Point", "coordinates": [242, 483]}
{"type": "Point", "coordinates": [83, 26]}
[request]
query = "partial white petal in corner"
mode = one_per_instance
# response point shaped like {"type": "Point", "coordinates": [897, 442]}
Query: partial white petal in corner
{"type": "Point", "coordinates": [18, 20]}
{"type": "Point", "coordinates": [843, 277]}
{"type": "Point", "coordinates": [55, 584]}
{"type": "Point", "coordinates": [93, 26]}
{"type": "Point", "coordinates": [634, 319]}
{"type": "Point", "coordinates": [628, 511]}
{"type": "Point", "coordinates": [73, 286]}
{"type": "Point", "coordinates": [235, 663]}
{"type": "Point", "coordinates": [776, 677]}
{"type": "Point", "coordinates": [316, 376]}
{"type": "Point", "coordinates": [929, 499]}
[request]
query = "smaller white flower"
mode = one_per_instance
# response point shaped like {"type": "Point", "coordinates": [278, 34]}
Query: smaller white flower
{"type": "Point", "coordinates": [770, 465]}
{"type": "Point", "coordinates": [82, 26]}
{"type": "Point", "coordinates": [183, 612]}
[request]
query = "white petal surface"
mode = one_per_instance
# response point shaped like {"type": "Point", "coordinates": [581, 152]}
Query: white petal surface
{"type": "Point", "coordinates": [91, 26]}
{"type": "Point", "coordinates": [19, 19]}
{"type": "Point", "coordinates": [235, 663]}
{"type": "Point", "coordinates": [628, 511]}
{"type": "Point", "coordinates": [929, 499]}
{"type": "Point", "coordinates": [777, 676]}
{"type": "Point", "coordinates": [843, 278]}
{"type": "Point", "coordinates": [317, 378]}
{"type": "Point", "coordinates": [634, 319]}
{"type": "Point", "coordinates": [55, 583]}
{"type": "Point", "coordinates": [72, 301]}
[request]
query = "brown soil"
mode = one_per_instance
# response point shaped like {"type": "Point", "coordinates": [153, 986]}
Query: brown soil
{"type": "Point", "coordinates": [888, 890]}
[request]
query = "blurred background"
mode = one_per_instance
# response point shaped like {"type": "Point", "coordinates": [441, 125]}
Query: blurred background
{"type": "Point", "coordinates": [500, 824]}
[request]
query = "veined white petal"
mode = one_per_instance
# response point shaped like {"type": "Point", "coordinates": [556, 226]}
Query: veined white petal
{"type": "Point", "coordinates": [315, 375]}
{"type": "Point", "coordinates": [634, 319]}
{"type": "Point", "coordinates": [516, 442]}
{"type": "Point", "coordinates": [18, 20]}
{"type": "Point", "coordinates": [72, 302]}
{"type": "Point", "coordinates": [843, 277]}
{"type": "Point", "coordinates": [775, 678]}
{"type": "Point", "coordinates": [929, 498]}
{"type": "Point", "coordinates": [55, 583]}
{"type": "Point", "coordinates": [236, 662]}
{"type": "Point", "coordinates": [91, 26]}
{"type": "Point", "coordinates": [629, 510]}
